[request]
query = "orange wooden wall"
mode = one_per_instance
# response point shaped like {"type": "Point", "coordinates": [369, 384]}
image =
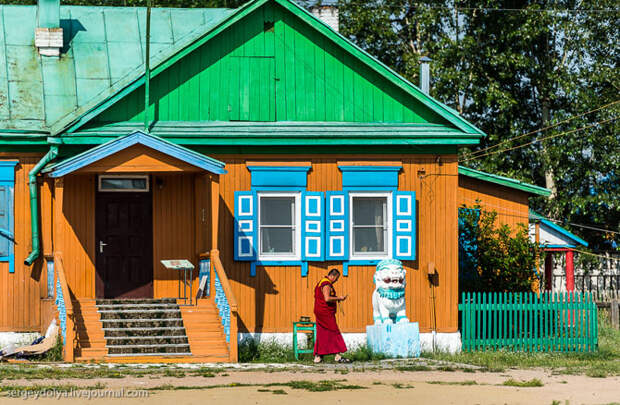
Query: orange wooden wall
{"type": "Point", "coordinates": [511, 205]}
{"type": "Point", "coordinates": [20, 291]}
{"type": "Point", "coordinates": [277, 296]}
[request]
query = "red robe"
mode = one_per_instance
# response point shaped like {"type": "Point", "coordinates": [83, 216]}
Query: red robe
{"type": "Point", "coordinates": [328, 337]}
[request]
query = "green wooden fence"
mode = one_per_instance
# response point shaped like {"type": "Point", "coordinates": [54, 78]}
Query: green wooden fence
{"type": "Point", "coordinates": [529, 322]}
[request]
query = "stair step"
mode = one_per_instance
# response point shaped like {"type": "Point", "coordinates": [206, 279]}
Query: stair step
{"type": "Point", "coordinates": [154, 346]}
{"type": "Point", "coordinates": [150, 340]}
{"type": "Point", "coordinates": [141, 311]}
{"type": "Point", "coordinates": [149, 354]}
{"type": "Point", "coordinates": [137, 306]}
{"type": "Point", "coordinates": [143, 320]}
{"type": "Point", "coordinates": [145, 329]}
{"type": "Point", "coordinates": [136, 301]}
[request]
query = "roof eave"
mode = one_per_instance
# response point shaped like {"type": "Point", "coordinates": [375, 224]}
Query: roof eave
{"type": "Point", "coordinates": [504, 181]}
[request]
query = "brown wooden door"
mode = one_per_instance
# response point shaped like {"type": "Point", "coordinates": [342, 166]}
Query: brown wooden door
{"type": "Point", "coordinates": [124, 245]}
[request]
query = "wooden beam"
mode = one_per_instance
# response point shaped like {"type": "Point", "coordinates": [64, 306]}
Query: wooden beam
{"type": "Point", "coordinates": [215, 210]}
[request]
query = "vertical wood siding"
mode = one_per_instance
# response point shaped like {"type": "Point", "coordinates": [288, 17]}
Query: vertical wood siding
{"type": "Point", "coordinates": [255, 72]}
{"type": "Point", "coordinates": [74, 231]}
{"type": "Point", "coordinates": [20, 291]}
{"type": "Point", "coordinates": [277, 296]}
{"type": "Point", "coordinates": [511, 205]}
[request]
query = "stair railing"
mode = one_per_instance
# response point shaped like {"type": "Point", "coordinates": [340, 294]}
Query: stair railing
{"type": "Point", "coordinates": [226, 303]}
{"type": "Point", "coordinates": [65, 307]}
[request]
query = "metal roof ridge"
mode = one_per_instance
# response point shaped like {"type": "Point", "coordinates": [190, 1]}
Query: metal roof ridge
{"type": "Point", "coordinates": [505, 181]}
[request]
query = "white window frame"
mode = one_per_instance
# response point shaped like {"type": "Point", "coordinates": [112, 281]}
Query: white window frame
{"type": "Point", "coordinates": [389, 230]}
{"type": "Point", "coordinates": [124, 190]}
{"type": "Point", "coordinates": [296, 256]}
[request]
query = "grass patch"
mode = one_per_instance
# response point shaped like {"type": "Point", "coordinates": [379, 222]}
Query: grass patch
{"type": "Point", "coordinates": [279, 392]}
{"type": "Point", "coordinates": [468, 382]}
{"type": "Point", "coordinates": [534, 382]}
{"type": "Point", "coordinates": [400, 386]}
{"type": "Point", "coordinates": [272, 352]}
{"type": "Point", "coordinates": [413, 367]}
{"type": "Point", "coordinates": [320, 386]}
{"type": "Point", "coordinates": [170, 387]}
{"type": "Point", "coordinates": [605, 361]}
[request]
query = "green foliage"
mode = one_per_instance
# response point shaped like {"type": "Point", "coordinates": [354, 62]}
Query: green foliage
{"type": "Point", "coordinates": [498, 260]}
{"type": "Point", "coordinates": [535, 382]}
{"type": "Point", "coordinates": [511, 72]}
{"type": "Point", "coordinates": [268, 352]}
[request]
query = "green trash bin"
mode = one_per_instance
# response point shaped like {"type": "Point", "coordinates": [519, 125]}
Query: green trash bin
{"type": "Point", "coordinates": [303, 327]}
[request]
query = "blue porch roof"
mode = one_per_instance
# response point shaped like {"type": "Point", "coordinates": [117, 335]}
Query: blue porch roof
{"type": "Point", "coordinates": [97, 153]}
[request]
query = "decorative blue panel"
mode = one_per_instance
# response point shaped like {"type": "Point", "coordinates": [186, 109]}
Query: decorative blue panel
{"type": "Point", "coordinates": [50, 278]}
{"type": "Point", "coordinates": [62, 311]}
{"type": "Point", "coordinates": [404, 227]}
{"type": "Point", "coordinates": [370, 177]}
{"type": "Point", "coordinates": [222, 305]}
{"type": "Point", "coordinates": [279, 176]}
{"type": "Point", "coordinates": [337, 229]}
{"type": "Point", "coordinates": [205, 271]}
{"type": "Point", "coordinates": [246, 226]}
{"type": "Point", "coordinates": [312, 226]}
{"type": "Point", "coordinates": [7, 224]}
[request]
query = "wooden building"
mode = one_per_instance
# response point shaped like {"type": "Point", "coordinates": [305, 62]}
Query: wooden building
{"type": "Point", "coordinates": [272, 150]}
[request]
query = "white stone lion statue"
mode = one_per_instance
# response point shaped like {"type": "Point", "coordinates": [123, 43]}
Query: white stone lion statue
{"type": "Point", "coordinates": [388, 299]}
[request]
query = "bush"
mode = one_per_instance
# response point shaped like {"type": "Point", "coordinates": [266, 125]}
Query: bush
{"type": "Point", "coordinates": [491, 258]}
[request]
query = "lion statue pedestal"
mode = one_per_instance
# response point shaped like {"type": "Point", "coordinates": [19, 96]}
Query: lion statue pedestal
{"type": "Point", "coordinates": [392, 334]}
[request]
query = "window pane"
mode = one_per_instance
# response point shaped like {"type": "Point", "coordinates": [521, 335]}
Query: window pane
{"type": "Point", "coordinates": [369, 240]}
{"type": "Point", "coordinates": [108, 183]}
{"type": "Point", "coordinates": [277, 240]}
{"type": "Point", "coordinates": [369, 210]}
{"type": "Point", "coordinates": [277, 210]}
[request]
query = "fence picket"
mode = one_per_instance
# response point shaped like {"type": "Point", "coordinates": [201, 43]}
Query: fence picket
{"type": "Point", "coordinates": [529, 322]}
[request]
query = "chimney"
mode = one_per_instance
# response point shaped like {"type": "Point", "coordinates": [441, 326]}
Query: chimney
{"type": "Point", "coordinates": [425, 75]}
{"type": "Point", "coordinates": [48, 34]}
{"type": "Point", "coordinates": [327, 11]}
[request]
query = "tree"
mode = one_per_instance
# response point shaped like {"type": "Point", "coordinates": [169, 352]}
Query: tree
{"type": "Point", "coordinates": [513, 68]}
{"type": "Point", "coordinates": [491, 258]}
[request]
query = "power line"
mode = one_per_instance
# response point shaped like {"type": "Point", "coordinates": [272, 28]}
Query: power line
{"type": "Point", "coordinates": [540, 140]}
{"type": "Point", "coordinates": [494, 9]}
{"type": "Point", "coordinates": [519, 214]}
{"type": "Point", "coordinates": [541, 129]}
{"type": "Point", "coordinates": [593, 254]}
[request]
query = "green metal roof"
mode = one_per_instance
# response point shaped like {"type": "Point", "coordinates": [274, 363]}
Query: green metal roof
{"type": "Point", "coordinates": [504, 181]}
{"type": "Point", "coordinates": [280, 133]}
{"type": "Point", "coordinates": [104, 48]}
{"type": "Point", "coordinates": [104, 60]}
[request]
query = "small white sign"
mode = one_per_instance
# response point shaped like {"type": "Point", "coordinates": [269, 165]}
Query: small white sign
{"type": "Point", "coordinates": [178, 264]}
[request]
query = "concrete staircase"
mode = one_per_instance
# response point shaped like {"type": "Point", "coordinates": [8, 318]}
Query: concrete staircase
{"type": "Point", "coordinates": [148, 330]}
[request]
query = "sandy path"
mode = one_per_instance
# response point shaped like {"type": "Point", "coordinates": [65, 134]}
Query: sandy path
{"type": "Point", "coordinates": [575, 389]}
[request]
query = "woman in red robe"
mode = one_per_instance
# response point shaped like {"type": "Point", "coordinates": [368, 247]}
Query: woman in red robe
{"type": "Point", "coordinates": [328, 337]}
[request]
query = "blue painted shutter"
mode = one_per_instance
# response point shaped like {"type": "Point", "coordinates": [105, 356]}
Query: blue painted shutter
{"type": "Point", "coordinates": [313, 226]}
{"type": "Point", "coordinates": [337, 224]}
{"type": "Point", "coordinates": [246, 227]}
{"type": "Point", "coordinates": [6, 233]}
{"type": "Point", "coordinates": [404, 226]}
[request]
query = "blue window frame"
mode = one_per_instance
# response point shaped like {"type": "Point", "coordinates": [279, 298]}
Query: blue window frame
{"type": "Point", "coordinates": [394, 221]}
{"type": "Point", "coordinates": [7, 220]}
{"type": "Point", "coordinates": [266, 239]}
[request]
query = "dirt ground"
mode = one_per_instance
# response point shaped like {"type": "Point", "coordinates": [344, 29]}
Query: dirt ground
{"type": "Point", "coordinates": [378, 386]}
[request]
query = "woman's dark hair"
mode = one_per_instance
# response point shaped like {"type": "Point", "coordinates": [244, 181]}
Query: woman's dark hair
{"type": "Point", "coordinates": [333, 272]}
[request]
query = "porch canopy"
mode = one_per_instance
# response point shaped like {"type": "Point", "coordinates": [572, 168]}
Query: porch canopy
{"type": "Point", "coordinates": [136, 152]}
{"type": "Point", "coordinates": [553, 238]}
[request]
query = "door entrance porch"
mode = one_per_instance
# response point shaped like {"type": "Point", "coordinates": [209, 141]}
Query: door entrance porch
{"type": "Point", "coordinates": [123, 243]}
